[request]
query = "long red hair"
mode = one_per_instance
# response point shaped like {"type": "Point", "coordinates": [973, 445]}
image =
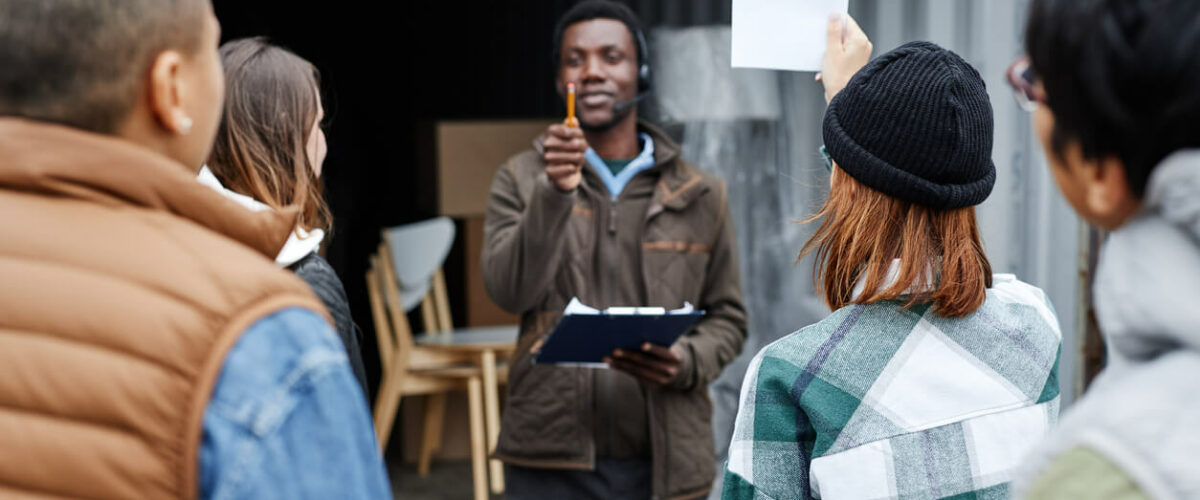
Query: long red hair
{"type": "Point", "coordinates": [862, 231]}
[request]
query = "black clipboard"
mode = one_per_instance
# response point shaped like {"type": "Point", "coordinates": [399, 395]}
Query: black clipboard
{"type": "Point", "coordinates": [586, 339]}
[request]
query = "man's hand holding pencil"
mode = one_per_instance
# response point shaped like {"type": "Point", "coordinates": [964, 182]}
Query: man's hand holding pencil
{"type": "Point", "coordinates": [563, 148]}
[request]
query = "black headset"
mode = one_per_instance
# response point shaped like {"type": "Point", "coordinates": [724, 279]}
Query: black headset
{"type": "Point", "coordinates": [644, 75]}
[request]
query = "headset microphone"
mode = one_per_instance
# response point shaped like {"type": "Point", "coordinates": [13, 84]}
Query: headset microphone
{"type": "Point", "coordinates": [622, 106]}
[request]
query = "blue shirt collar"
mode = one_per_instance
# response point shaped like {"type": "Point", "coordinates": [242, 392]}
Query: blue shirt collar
{"type": "Point", "coordinates": [616, 183]}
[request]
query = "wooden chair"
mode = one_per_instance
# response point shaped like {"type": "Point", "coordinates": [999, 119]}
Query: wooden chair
{"type": "Point", "coordinates": [407, 273]}
{"type": "Point", "coordinates": [409, 370]}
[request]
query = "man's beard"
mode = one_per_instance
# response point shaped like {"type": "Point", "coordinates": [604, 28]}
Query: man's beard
{"type": "Point", "coordinates": [618, 116]}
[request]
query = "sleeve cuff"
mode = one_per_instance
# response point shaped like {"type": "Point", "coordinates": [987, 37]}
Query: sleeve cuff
{"type": "Point", "coordinates": [685, 379]}
{"type": "Point", "coordinates": [552, 194]}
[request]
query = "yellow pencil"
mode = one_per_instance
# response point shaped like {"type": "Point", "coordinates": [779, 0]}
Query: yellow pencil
{"type": "Point", "coordinates": [571, 120]}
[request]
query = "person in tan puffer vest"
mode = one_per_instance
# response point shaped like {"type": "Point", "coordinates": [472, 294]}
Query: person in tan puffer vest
{"type": "Point", "coordinates": [149, 348]}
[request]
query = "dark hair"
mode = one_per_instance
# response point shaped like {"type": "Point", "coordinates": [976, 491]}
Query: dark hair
{"type": "Point", "coordinates": [81, 62]}
{"type": "Point", "coordinates": [588, 10]}
{"type": "Point", "coordinates": [1121, 76]}
{"type": "Point", "coordinates": [261, 145]}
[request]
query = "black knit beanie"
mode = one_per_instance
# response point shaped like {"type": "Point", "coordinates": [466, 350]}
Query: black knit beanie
{"type": "Point", "coordinates": [915, 124]}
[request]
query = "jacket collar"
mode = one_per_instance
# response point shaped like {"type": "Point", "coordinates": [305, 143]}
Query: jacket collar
{"type": "Point", "coordinates": [680, 183]}
{"type": "Point", "coordinates": [299, 243]}
{"type": "Point", "coordinates": [895, 267]}
{"type": "Point", "coordinates": [616, 183]}
{"type": "Point", "coordinates": [54, 160]}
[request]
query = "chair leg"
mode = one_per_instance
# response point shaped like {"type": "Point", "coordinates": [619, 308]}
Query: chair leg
{"type": "Point", "coordinates": [387, 403]}
{"type": "Point", "coordinates": [491, 405]}
{"type": "Point", "coordinates": [431, 441]}
{"type": "Point", "coordinates": [478, 446]}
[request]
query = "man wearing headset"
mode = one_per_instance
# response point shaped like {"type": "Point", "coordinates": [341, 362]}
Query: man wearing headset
{"type": "Point", "coordinates": [609, 213]}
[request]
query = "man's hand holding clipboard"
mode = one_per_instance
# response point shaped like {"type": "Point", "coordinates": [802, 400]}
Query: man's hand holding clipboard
{"type": "Point", "coordinates": [654, 365]}
{"type": "Point", "coordinates": [639, 341]}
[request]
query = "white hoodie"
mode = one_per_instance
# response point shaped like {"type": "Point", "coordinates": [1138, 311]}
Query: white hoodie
{"type": "Point", "coordinates": [300, 243]}
{"type": "Point", "coordinates": [1141, 413]}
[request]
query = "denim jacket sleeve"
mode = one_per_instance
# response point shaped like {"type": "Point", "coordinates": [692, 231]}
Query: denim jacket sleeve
{"type": "Point", "coordinates": [287, 419]}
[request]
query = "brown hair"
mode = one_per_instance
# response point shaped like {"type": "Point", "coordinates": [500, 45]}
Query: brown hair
{"type": "Point", "coordinates": [261, 147]}
{"type": "Point", "coordinates": [82, 63]}
{"type": "Point", "coordinates": [863, 230]}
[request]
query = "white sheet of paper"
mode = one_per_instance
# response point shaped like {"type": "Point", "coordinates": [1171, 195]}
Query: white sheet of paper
{"type": "Point", "coordinates": [687, 308]}
{"type": "Point", "coordinates": [781, 34]}
{"type": "Point", "coordinates": [577, 306]}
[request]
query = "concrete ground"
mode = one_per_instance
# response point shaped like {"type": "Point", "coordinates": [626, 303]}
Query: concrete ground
{"type": "Point", "coordinates": [446, 481]}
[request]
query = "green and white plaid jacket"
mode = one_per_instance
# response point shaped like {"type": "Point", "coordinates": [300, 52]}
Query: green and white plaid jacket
{"type": "Point", "coordinates": [878, 401]}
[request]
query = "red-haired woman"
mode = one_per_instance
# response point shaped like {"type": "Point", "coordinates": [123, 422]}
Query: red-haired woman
{"type": "Point", "coordinates": [932, 377]}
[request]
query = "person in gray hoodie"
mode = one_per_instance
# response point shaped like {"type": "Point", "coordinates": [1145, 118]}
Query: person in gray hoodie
{"type": "Point", "coordinates": [1114, 87]}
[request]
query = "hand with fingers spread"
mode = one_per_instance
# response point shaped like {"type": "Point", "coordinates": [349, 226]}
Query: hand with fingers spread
{"type": "Point", "coordinates": [654, 365]}
{"type": "Point", "coordinates": [847, 50]}
{"type": "Point", "coordinates": [563, 149]}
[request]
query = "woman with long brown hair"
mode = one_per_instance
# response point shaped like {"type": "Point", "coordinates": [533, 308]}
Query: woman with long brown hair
{"type": "Point", "coordinates": [932, 377]}
{"type": "Point", "coordinates": [268, 155]}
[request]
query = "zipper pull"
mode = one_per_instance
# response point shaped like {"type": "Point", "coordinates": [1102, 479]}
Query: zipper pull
{"type": "Point", "coordinates": [612, 218]}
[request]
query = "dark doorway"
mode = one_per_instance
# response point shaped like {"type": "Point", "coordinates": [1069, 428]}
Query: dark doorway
{"type": "Point", "coordinates": [387, 69]}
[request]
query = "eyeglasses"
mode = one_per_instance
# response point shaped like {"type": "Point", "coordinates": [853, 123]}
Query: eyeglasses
{"type": "Point", "coordinates": [1021, 77]}
{"type": "Point", "coordinates": [828, 159]}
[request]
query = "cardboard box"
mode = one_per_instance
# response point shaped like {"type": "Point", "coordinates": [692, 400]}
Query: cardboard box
{"type": "Point", "coordinates": [467, 155]}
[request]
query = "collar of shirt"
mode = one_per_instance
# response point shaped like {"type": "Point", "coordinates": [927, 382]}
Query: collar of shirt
{"type": "Point", "coordinates": [299, 244]}
{"type": "Point", "coordinates": [616, 183]}
{"type": "Point", "coordinates": [893, 275]}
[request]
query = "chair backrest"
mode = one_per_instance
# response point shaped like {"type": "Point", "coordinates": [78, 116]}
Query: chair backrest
{"type": "Point", "coordinates": [437, 308]}
{"type": "Point", "coordinates": [391, 323]}
{"type": "Point", "coordinates": [416, 252]}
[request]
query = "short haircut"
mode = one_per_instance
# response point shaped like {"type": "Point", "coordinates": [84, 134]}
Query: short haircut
{"type": "Point", "coordinates": [862, 230]}
{"type": "Point", "coordinates": [1121, 77]}
{"type": "Point", "coordinates": [588, 10]}
{"type": "Point", "coordinates": [271, 104]}
{"type": "Point", "coordinates": [82, 63]}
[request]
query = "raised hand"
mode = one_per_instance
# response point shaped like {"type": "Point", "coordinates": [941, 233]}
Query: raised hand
{"type": "Point", "coordinates": [563, 151]}
{"type": "Point", "coordinates": [847, 50]}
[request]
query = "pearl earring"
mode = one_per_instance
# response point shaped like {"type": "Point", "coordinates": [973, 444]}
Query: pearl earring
{"type": "Point", "coordinates": [185, 125]}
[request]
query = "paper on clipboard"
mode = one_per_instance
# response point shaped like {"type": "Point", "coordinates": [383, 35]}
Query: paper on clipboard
{"type": "Point", "coordinates": [578, 307]}
{"type": "Point", "coordinates": [781, 34]}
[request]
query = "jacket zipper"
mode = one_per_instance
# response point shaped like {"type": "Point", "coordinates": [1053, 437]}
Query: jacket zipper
{"type": "Point", "coordinates": [652, 424]}
{"type": "Point", "coordinates": [612, 295]}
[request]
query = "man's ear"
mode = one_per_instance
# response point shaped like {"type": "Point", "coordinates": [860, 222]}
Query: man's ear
{"type": "Point", "coordinates": [166, 93]}
{"type": "Point", "coordinates": [1107, 192]}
